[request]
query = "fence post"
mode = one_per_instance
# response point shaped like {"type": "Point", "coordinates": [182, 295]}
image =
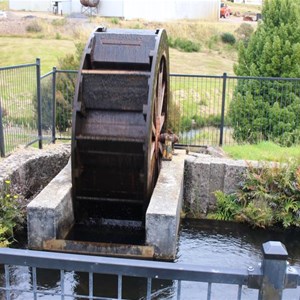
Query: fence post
{"type": "Point", "coordinates": [274, 267]}
{"type": "Point", "coordinates": [223, 109]}
{"type": "Point", "coordinates": [53, 105]}
{"type": "Point", "coordinates": [39, 100]}
{"type": "Point", "coordinates": [2, 146]}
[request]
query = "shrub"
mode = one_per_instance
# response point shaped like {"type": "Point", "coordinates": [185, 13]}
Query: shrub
{"type": "Point", "coordinates": [183, 45]}
{"type": "Point", "coordinates": [257, 114]}
{"type": "Point", "coordinates": [34, 27]}
{"type": "Point", "coordinates": [185, 123]}
{"type": "Point", "coordinates": [227, 207]}
{"type": "Point", "coordinates": [11, 214]}
{"type": "Point", "coordinates": [244, 32]}
{"type": "Point", "coordinates": [273, 51]}
{"type": "Point", "coordinates": [65, 88]}
{"type": "Point", "coordinates": [228, 38]}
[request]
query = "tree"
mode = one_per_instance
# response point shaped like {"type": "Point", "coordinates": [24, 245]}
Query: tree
{"type": "Point", "coordinates": [269, 109]}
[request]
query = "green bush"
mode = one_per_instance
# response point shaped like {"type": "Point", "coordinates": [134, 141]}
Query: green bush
{"type": "Point", "coordinates": [271, 107]}
{"type": "Point", "coordinates": [227, 207]}
{"type": "Point", "coordinates": [244, 32]}
{"type": "Point", "coordinates": [183, 45]}
{"type": "Point", "coordinates": [186, 123]}
{"type": "Point", "coordinates": [267, 110]}
{"type": "Point", "coordinates": [11, 214]}
{"type": "Point", "coordinates": [65, 89]}
{"type": "Point", "coordinates": [228, 38]}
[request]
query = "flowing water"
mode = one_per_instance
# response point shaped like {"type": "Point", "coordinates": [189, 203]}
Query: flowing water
{"type": "Point", "coordinates": [208, 243]}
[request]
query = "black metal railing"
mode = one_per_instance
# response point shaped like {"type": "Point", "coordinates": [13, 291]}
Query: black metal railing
{"type": "Point", "coordinates": [151, 279]}
{"type": "Point", "coordinates": [36, 108]}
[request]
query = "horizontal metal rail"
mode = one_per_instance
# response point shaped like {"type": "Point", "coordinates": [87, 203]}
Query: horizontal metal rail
{"type": "Point", "coordinates": [271, 278]}
{"type": "Point", "coordinates": [199, 112]}
{"type": "Point", "coordinates": [127, 267]}
{"type": "Point", "coordinates": [233, 77]}
{"type": "Point", "coordinates": [17, 66]}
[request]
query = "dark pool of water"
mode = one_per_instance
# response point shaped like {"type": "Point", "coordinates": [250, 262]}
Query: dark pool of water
{"type": "Point", "coordinates": [208, 243]}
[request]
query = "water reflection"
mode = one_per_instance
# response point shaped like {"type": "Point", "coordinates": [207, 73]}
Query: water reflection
{"type": "Point", "coordinates": [210, 243]}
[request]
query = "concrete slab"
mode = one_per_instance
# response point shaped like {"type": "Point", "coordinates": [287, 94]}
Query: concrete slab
{"type": "Point", "coordinates": [163, 213]}
{"type": "Point", "coordinates": [50, 214]}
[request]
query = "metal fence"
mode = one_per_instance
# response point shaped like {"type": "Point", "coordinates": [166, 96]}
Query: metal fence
{"type": "Point", "coordinates": [77, 277]}
{"type": "Point", "coordinates": [19, 118]}
{"type": "Point", "coordinates": [198, 110]}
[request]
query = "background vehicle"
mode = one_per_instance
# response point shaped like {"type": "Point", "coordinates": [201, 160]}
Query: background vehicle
{"type": "Point", "coordinates": [225, 10]}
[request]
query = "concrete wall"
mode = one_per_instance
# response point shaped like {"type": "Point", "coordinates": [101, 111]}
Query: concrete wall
{"type": "Point", "coordinates": [254, 2]}
{"type": "Point", "coordinates": [154, 10]}
{"type": "Point", "coordinates": [164, 10]}
{"type": "Point", "coordinates": [40, 5]}
{"type": "Point", "coordinates": [30, 169]}
{"type": "Point", "coordinates": [106, 8]}
{"type": "Point", "coordinates": [163, 213]}
{"type": "Point", "coordinates": [205, 175]}
{"type": "Point", "coordinates": [50, 214]}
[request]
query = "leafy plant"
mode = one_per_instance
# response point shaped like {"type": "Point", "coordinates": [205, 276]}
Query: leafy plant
{"type": "Point", "coordinates": [227, 206]}
{"type": "Point", "coordinates": [11, 214]}
{"type": "Point", "coordinates": [228, 38]}
{"type": "Point", "coordinates": [269, 195]}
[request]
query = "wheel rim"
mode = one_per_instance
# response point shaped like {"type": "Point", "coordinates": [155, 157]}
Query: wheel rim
{"type": "Point", "coordinates": [158, 120]}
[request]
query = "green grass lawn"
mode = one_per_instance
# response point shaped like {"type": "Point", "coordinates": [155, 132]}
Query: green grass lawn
{"type": "Point", "coordinates": [266, 151]}
{"type": "Point", "coordinates": [20, 50]}
{"type": "Point", "coordinates": [15, 50]}
{"type": "Point", "coordinates": [206, 63]}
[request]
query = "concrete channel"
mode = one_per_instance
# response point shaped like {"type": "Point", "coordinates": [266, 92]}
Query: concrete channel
{"type": "Point", "coordinates": [188, 180]}
{"type": "Point", "coordinates": [50, 217]}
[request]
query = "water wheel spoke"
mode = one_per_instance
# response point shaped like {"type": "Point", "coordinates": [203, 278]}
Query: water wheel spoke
{"type": "Point", "coordinates": [160, 148]}
{"type": "Point", "coordinates": [152, 149]}
{"type": "Point", "coordinates": [161, 122]}
{"type": "Point", "coordinates": [161, 94]}
{"type": "Point", "coordinates": [153, 129]}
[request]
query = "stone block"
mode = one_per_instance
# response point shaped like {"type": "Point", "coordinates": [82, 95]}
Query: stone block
{"type": "Point", "coordinates": [216, 181]}
{"type": "Point", "coordinates": [233, 177]}
{"type": "Point", "coordinates": [163, 213]}
{"type": "Point", "coordinates": [201, 185]}
{"type": "Point", "coordinates": [50, 214]}
{"type": "Point", "coordinates": [30, 169]}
